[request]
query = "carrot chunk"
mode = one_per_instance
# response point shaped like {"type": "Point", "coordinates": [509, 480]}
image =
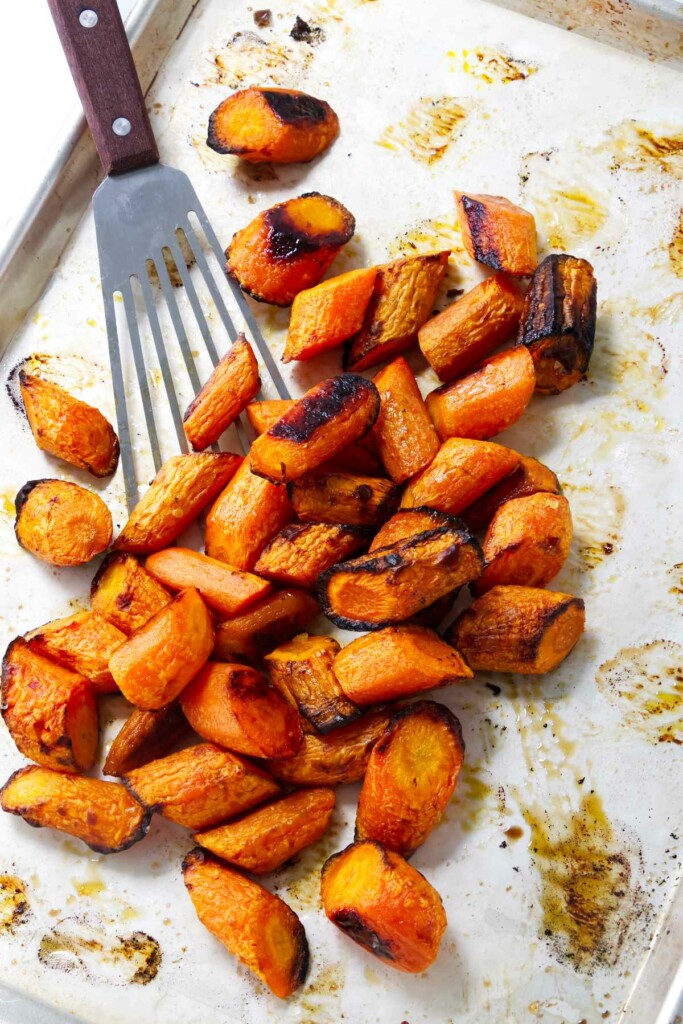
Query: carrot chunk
{"type": "Point", "coordinates": [344, 498]}
{"type": "Point", "coordinates": [145, 736]}
{"type": "Point", "coordinates": [83, 643]}
{"type": "Point", "coordinates": [229, 389]}
{"type": "Point", "coordinates": [125, 594]}
{"type": "Point", "coordinates": [303, 669]}
{"type": "Point", "coordinates": [461, 472]}
{"type": "Point", "coordinates": [331, 312]}
{"type": "Point", "coordinates": [226, 590]}
{"type": "Point", "coordinates": [408, 522]}
{"type": "Point", "coordinates": [530, 477]}
{"type": "Point", "coordinates": [61, 523]}
{"type": "Point", "coordinates": [301, 551]}
{"type": "Point", "coordinates": [404, 432]}
{"type": "Point", "coordinates": [498, 233]}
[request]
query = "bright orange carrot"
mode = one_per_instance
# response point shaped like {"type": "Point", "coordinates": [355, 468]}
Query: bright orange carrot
{"type": "Point", "coordinates": [404, 432]}
{"type": "Point", "coordinates": [328, 314]}
{"type": "Point", "coordinates": [226, 590]}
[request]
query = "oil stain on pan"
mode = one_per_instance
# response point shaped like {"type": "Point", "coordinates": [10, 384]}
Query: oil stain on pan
{"type": "Point", "coordinates": [14, 905]}
{"type": "Point", "coordinates": [494, 66]}
{"type": "Point", "coordinates": [646, 684]}
{"type": "Point", "coordinates": [427, 130]}
{"type": "Point", "coordinates": [84, 945]}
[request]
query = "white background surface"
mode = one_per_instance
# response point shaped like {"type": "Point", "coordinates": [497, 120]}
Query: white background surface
{"type": "Point", "coordinates": [39, 97]}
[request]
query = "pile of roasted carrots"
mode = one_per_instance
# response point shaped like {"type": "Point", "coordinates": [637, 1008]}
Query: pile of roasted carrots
{"type": "Point", "coordinates": [359, 499]}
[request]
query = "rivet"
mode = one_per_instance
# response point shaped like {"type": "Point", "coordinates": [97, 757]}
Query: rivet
{"type": "Point", "coordinates": [121, 126]}
{"type": "Point", "coordinates": [88, 18]}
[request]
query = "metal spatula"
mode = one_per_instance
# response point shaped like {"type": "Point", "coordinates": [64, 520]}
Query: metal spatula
{"type": "Point", "coordinates": [139, 209]}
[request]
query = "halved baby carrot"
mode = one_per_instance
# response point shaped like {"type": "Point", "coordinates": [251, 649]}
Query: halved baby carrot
{"type": "Point", "coordinates": [328, 314]}
{"type": "Point", "coordinates": [404, 432]}
{"type": "Point", "coordinates": [461, 471]}
{"type": "Point", "coordinates": [226, 590]}
{"type": "Point", "coordinates": [231, 386]}
{"type": "Point", "coordinates": [488, 400]}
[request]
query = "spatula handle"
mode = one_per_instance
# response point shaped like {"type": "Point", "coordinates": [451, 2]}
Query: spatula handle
{"type": "Point", "coordinates": [94, 41]}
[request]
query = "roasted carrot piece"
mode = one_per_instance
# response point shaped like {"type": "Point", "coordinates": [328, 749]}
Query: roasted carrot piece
{"type": "Point", "coordinates": [358, 457]}
{"type": "Point", "coordinates": [558, 321]}
{"type": "Point", "coordinates": [145, 736]}
{"type": "Point", "coordinates": [527, 542]}
{"type": "Point", "coordinates": [277, 126]}
{"type": "Point", "coordinates": [289, 247]}
{"type": "Point", "coordinates": [344, 498]}
{"type": "Point", "coordinates": [498, 233]}
{"type": "Point", "coordinates": [267, 838]}
{"type": "Point", "coordinates": [50, 711]}
{"type": "Point", "coordinates": [61, 523]}
{"type": "Point", "coordinates": [468, 330]}
{"type": "Point", "coordinates": [67, 428]}
{"type": "Point", "coordinates": [154, 664]}
{"type": "Point", "coordinates": [103, 815]}
{"type": "Point", "coordinates": [303, 669]}
{"type": "Point", "coordinates": [530, 477]}
{"type": "Point", "coordinates": [402, 299]}
{"type": "Point", "coordinates": [229, 389]}
{"type": "Point", "coordinates": [234, 706]}
{"type": "Point", "coordinates": [318, 426]}
{"type": "Point", "coordinates": [200, 786]}
{"type": "Point", "coordinates": [328, 314]}
{"type": "Point", "coordinates": [394, 583]}
{"type": "Point", "coordinates": [404, 432]}
{"type": "Point", "coordinates": [396, 662]}
{"type": "Point", "coordinates": [248, 514]}
{"type": "Point", "coordinates": [301, 551]}
{"type": "Point", "coordinates": [83, 642]}
{"type": "Point", "coordinates": [268, 623]}
{"type": "Point", "coordinates": [253, 924]}
{"type": "Point", "coordinates": [461, 471]}
{"type": "Point", "coordinates": [488, 400]}
{"type": "Point", "coordinates": [408, 522]}
{"type": "Point", "coordinates": [184, 485]}
{"type": "Point", "coordinates": [410, 778]}
{"type": "Point", "coordinates": [385, 905]}
{"type": "Point", "coordinates": [227, 591]}
{"type": "Point", "coordinates": [125, 594]}
{"type": "Point", "coordinates": [518, 629]}
{"type": "Point", "coordinates": [336, 757]}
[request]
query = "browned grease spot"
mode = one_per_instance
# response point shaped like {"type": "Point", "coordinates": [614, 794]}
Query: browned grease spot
{"type": "Point", "coordinates": [514, 832]}
{"type": "Point", "coordinates": [676, 574]}
{"type": "Point", "coordinates": [638, 147]}
{"type": "Point", "coordinates": [587, 897]}
{"type": "Point", "coordinates": [494, 66]}
{"type": "Point", "coordinates": [646, 684]}
{"type": "Point", "coordinates": [428, 129]}
{"type": "Point", "coordinates": [132, 959]}
{"type": "Point", "coordinates": [14, 908]}
{"type": "Point", "coordinates": [247, 59]}
{"type": "Point", "coordinates": [598, 521]}
{"type": "Point", "coordinates": [676, 247]}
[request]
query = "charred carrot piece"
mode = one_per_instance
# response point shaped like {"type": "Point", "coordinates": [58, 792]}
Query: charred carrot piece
{"type": "Point", "coordinates": [488, 400]}
{"type": "Point", "coordinates": [278, 126]}
{"type": "Point", "coordinates": [324, 316]}
{"type": "Point", "coordinates": [145, 736]}
{"type": "Point", "coordinates": [253, 924]}
{"type": "Point", "coordinates": [303, 669]}
{"type": "Point", "coordinates": [527, 542]}
{"type": "Point", "coordinates": [468, 330]}
{"type": "Point", "coordinates": [268, 623]}
{"type": "Point", "coordinates": [101, 814]}
{"type": "Point", "coordinates": [301, 551]}
{"type": "Point", "coordinates": [385, 905]}
{"type": "Point", "coordinates": [404, 432]}
{"type": "Point", "coordinates": [518, 629]}
{"type": "Point", "coordinates": [396, 662]}
{"type": "Point", "coordinates": [558, 321]}
{"type": "Point", "coordinates": [67, 428]}
{"type": "Point", "coordinates": [339, 756]}
{"type": "Point", "coordinates": [125, 594]}
{"type": "Point", "coordinates": [402, 299]}
{"type": "Point", "coordinates": [462, 470]}
{"type": "Point", "coordinates": [184, 486]}
{"type": "Point", "coordinates": [317, 427]}
{"type": "Point", "coordinates": [530, 477]}
{"type": "Point", "coordinates": [408, 522]}
{"type": "Point", "coordinates": [263, 415]}
{"type": "Point", "coordinates": [229, 389]}
{"type": "Point", "coordinates": [154, 664]}
{"type": "Point", "coordinates": [50, 711]}
{"type": "Point", "coordinates": [234, 706]}
{"type": "Point", "coordinates": [394, 583]}
{"type": "Point", "coordinates": [288, 248]}
{"type": "Point", "coordinates": [61, 523]}
{"type": "Point", "coordinates": [83, 643]}
{"type": "Point", "coordinates": [200, 786]}
{"type": "Point", "coordinates": [344, 498]}
{"type": "Point", "coordinates": [498, 233]}
{"type": "Point", "coordinates": [410, 778]}
{"type": "Point", "coordinates": [267, 838]}
{"type": "Point", "coordinates": [226, 590]}
{"type": "Point", "coordinates": [249, 513]}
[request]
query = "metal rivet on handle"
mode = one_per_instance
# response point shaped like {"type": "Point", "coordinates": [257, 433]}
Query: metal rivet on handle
{"type": "Point", "coordinates": [88, 18]}
{"type": "Point", "coordinates": [121, 126]}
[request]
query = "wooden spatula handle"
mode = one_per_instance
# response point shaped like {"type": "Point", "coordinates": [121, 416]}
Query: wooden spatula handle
{"type": "Point", "coordinates": [94, 41]}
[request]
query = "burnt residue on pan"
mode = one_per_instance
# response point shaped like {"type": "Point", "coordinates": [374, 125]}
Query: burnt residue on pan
{"type": "Point", "coordinates": [676, 247]}
{"type": "Point", "coordinates": [247, 59]}
{"type": "Point", "coordinates": [428, 129]}
{"type": "Point", "coordinates": [494, 66]}
{"type": "Point", "coordinates": [303, 32]}
{"type": "Point", "coordinates": [639, 147]}
{"type": "Point", "coordinates": [645, 683]}
{"type": "Point", "coordinates": [14, 905]}
{"type": "Point", "coordinates": [86, 946]}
